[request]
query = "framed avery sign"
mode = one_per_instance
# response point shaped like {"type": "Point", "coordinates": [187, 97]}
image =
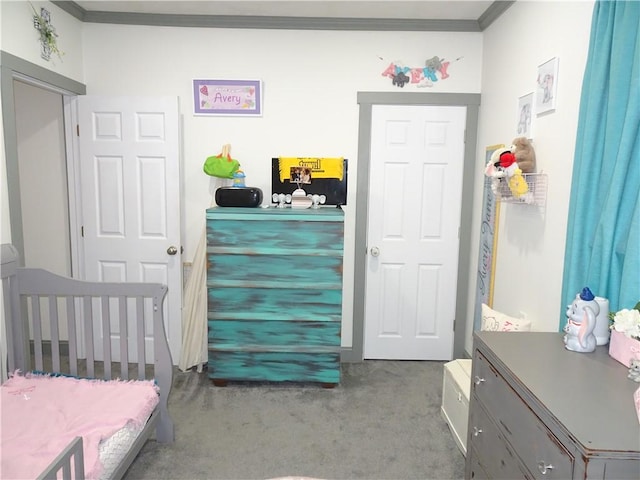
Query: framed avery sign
{"type": "Point", "coordinates": [227, 97]}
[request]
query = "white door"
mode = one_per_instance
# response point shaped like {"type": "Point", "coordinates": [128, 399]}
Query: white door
{"type": "Point", "coordinates": [415, 195]}
{"type": "Point", "coordinates": [130, 182]}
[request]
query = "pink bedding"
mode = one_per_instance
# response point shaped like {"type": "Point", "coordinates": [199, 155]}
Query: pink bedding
{"type": "Point", "coordinates": [42, 414]}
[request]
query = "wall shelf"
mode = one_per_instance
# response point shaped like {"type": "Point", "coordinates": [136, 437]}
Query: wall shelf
{"type": "Point", "coordinates": [537, 194]}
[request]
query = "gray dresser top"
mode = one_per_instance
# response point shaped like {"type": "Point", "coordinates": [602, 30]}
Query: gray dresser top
{"type": "Point", "coordinates": [589, 393]}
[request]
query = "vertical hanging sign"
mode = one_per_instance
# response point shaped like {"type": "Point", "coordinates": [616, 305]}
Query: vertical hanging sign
{"type": "Point", "coordinates": [488, 246]}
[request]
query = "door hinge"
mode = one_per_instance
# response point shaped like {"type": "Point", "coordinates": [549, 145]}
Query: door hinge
{"type": "Point", "coordinates": [454, 324]}
{"type": "Point", "coordinates": [82, 231]}
{"type": "Point", "coordinates": [78, 130]}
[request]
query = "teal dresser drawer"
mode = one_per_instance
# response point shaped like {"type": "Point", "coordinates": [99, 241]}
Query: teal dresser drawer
{"type": "Point", "coordinates": [274, 271]}
{"type": "Point", "coordinates": [274, 289]}
{"type": "Point", "coordinates": [275, 303]}
{"type": "Point", "coordinates": [274, 367]}
{"type": "Point", "coordinates": [290, 336]}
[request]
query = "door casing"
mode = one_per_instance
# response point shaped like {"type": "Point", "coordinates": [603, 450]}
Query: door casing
{"type": "Point", "coordinates": [12, 67]}
{"type": "Point", "coordinates": [366, 100]}
{"type": "Point", "coordinates": [417, 160]}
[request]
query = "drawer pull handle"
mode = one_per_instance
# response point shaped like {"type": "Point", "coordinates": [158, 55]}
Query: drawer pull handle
{"type": "Point", "coordinates": [478, 380]}
{"type": "Point", "coordinates": [544, 468]}
{"type": "Point", "coordinates": [476, 431]}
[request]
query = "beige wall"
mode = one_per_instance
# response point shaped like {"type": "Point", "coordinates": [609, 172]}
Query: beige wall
{"type": "Point", "coordinates": [310, 84]}
{"type": "Point", "coordinates": [531, 241]}
{"type": "Point", "coordinates": [20, 38]}
{"type": "Point", "coordinates": [311, 79]}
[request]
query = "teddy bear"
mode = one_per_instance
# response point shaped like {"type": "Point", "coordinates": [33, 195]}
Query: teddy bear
{"type": "Point", "coordinates": [634, 370]}
{"type": "Point", "coordinates": [525, 155]}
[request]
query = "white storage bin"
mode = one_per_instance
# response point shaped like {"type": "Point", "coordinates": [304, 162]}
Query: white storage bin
{"type": "Point", "coordinates": [456, 386]}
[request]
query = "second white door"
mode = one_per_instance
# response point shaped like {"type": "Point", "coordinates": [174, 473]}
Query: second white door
{"type": "Point", "coordinates": [130, 182]}
{"type": "Point", "coordinates": [415, 194]}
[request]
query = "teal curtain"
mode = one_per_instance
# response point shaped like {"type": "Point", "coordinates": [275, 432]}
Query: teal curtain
{"type": "Point", "coordinates": [603, 234]}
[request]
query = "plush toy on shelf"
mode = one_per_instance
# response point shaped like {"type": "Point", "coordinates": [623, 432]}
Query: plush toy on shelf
{"type": "Point", "coordinates": [522, 148]}
{"type": "Point", "coordinates": [516, 181]}
{"type": "Point", "coordinates": [494, 171]}
{"type": "Point", "coordinates": [503, 165]}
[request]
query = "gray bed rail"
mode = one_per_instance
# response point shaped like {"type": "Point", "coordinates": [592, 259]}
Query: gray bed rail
{"type": "Point", "coordinates": [63, 463]}
{"type": "Point", "coordinates": [102, 330]}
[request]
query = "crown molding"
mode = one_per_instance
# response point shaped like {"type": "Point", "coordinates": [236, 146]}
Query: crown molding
{"type": "Point", "coordinates": [286, 23]}
{"type": "Point", "coordinates": [493, 12]}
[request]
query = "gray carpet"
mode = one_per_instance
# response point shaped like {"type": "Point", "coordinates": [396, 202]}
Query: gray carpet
{"type": "Point", "coordinates": [382, 422]}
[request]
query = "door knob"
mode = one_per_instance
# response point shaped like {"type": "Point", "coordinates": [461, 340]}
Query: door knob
{"type": "Point", "coordinates": [375, 251]}
{"type": "Point", "coordinates": [172, 250]}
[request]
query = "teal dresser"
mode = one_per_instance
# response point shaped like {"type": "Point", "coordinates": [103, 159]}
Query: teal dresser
{"type": "Point", "coordinates": [274, 287]}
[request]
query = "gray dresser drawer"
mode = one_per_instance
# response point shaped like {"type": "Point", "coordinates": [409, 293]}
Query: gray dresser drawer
{"type": "Point", "coordinates": [497, 462]}
{"type": "Point", "coordinates": [539, 450]}
{"type": "Point", "coordinates": [473, 467]}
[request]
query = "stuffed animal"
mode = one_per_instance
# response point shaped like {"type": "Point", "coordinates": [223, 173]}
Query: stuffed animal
{"type": "Point", "coordinates": [525, 155]}
{"type": "Point", "coordinates": [634, 370]}
{"type": "Point", "coordinates": [517, 185]}
{"type": "Point", "coordinates": [494, 171]}
{"type": "Point", "coordinates": [503, 165]}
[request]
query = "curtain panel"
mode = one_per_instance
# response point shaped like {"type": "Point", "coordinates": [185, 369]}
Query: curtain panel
{"type": "Point", "coordinates": [603, 227]}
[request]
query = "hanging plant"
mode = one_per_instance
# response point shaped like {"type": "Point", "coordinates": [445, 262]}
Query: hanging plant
{"type": "Point", "coordinates": [48, 35]}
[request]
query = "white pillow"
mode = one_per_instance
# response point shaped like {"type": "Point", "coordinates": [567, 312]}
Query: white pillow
{"type": "Point", "coordinates": [499, 322]}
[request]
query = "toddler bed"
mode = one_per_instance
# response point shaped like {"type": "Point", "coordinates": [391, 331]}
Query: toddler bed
{"type": "Point", "coordinates": [101, 399]}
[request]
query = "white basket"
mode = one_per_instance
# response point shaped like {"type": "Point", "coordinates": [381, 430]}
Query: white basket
{"type": "Point", "coordinates": [537, 194]}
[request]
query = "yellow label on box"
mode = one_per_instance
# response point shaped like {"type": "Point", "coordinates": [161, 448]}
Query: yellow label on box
{"type": "Point", "coordinates": [320, 167]}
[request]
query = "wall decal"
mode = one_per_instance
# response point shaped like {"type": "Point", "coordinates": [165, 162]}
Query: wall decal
{"type": "Point", "coordinates": [434, 67]}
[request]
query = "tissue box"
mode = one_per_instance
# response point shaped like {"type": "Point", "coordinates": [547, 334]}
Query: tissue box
{"type": "Point", "coordinates": [456, 387]}
{"type": "Point", "coordinates": [623, 348]}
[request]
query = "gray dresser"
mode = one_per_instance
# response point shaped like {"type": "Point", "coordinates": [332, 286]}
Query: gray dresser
{"type": "Point", "coordinates": [540, 411]}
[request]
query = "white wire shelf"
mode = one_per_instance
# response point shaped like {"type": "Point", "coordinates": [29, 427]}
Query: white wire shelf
{"type": "Point", "coordinates": [536, 194]}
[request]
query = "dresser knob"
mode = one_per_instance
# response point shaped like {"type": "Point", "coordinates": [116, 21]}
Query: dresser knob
{"type": "Point", "coordinates": [478, 380]}
{"type": "Point", "coordinates": [476, 431]}
{"type": "Point", "coordinates": [544, 468]}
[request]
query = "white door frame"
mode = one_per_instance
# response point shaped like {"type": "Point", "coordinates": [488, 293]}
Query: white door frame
{"type": "Point", "coordinates": [366, 100]}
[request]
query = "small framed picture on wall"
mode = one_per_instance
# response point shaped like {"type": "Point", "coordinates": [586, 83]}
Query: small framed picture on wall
{"type": "Point", "coordinates": [227, 97]}
{"type": "Point", "coordinates": [547, 83]}
{"type": "Point", "coordinates": [523, 116]}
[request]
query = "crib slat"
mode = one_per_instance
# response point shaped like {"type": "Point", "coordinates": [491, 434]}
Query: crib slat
{"type": "Point", "coordinates": [37, 331]}
{"type": "Point", "coordinates": [106, 336]}
{"type": "Point", "coordinates": [88, 335]}
{"type": "Point", "coordinates": [124, 334]}
{"type": "Point", "coordinates": [142, 354]}
{"type": "Point", "coordinates": [55, 333]}
{"type": "Point", "coordinates": [73, 340]}
{"type": "Point", "coordinates": [11, 336]}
